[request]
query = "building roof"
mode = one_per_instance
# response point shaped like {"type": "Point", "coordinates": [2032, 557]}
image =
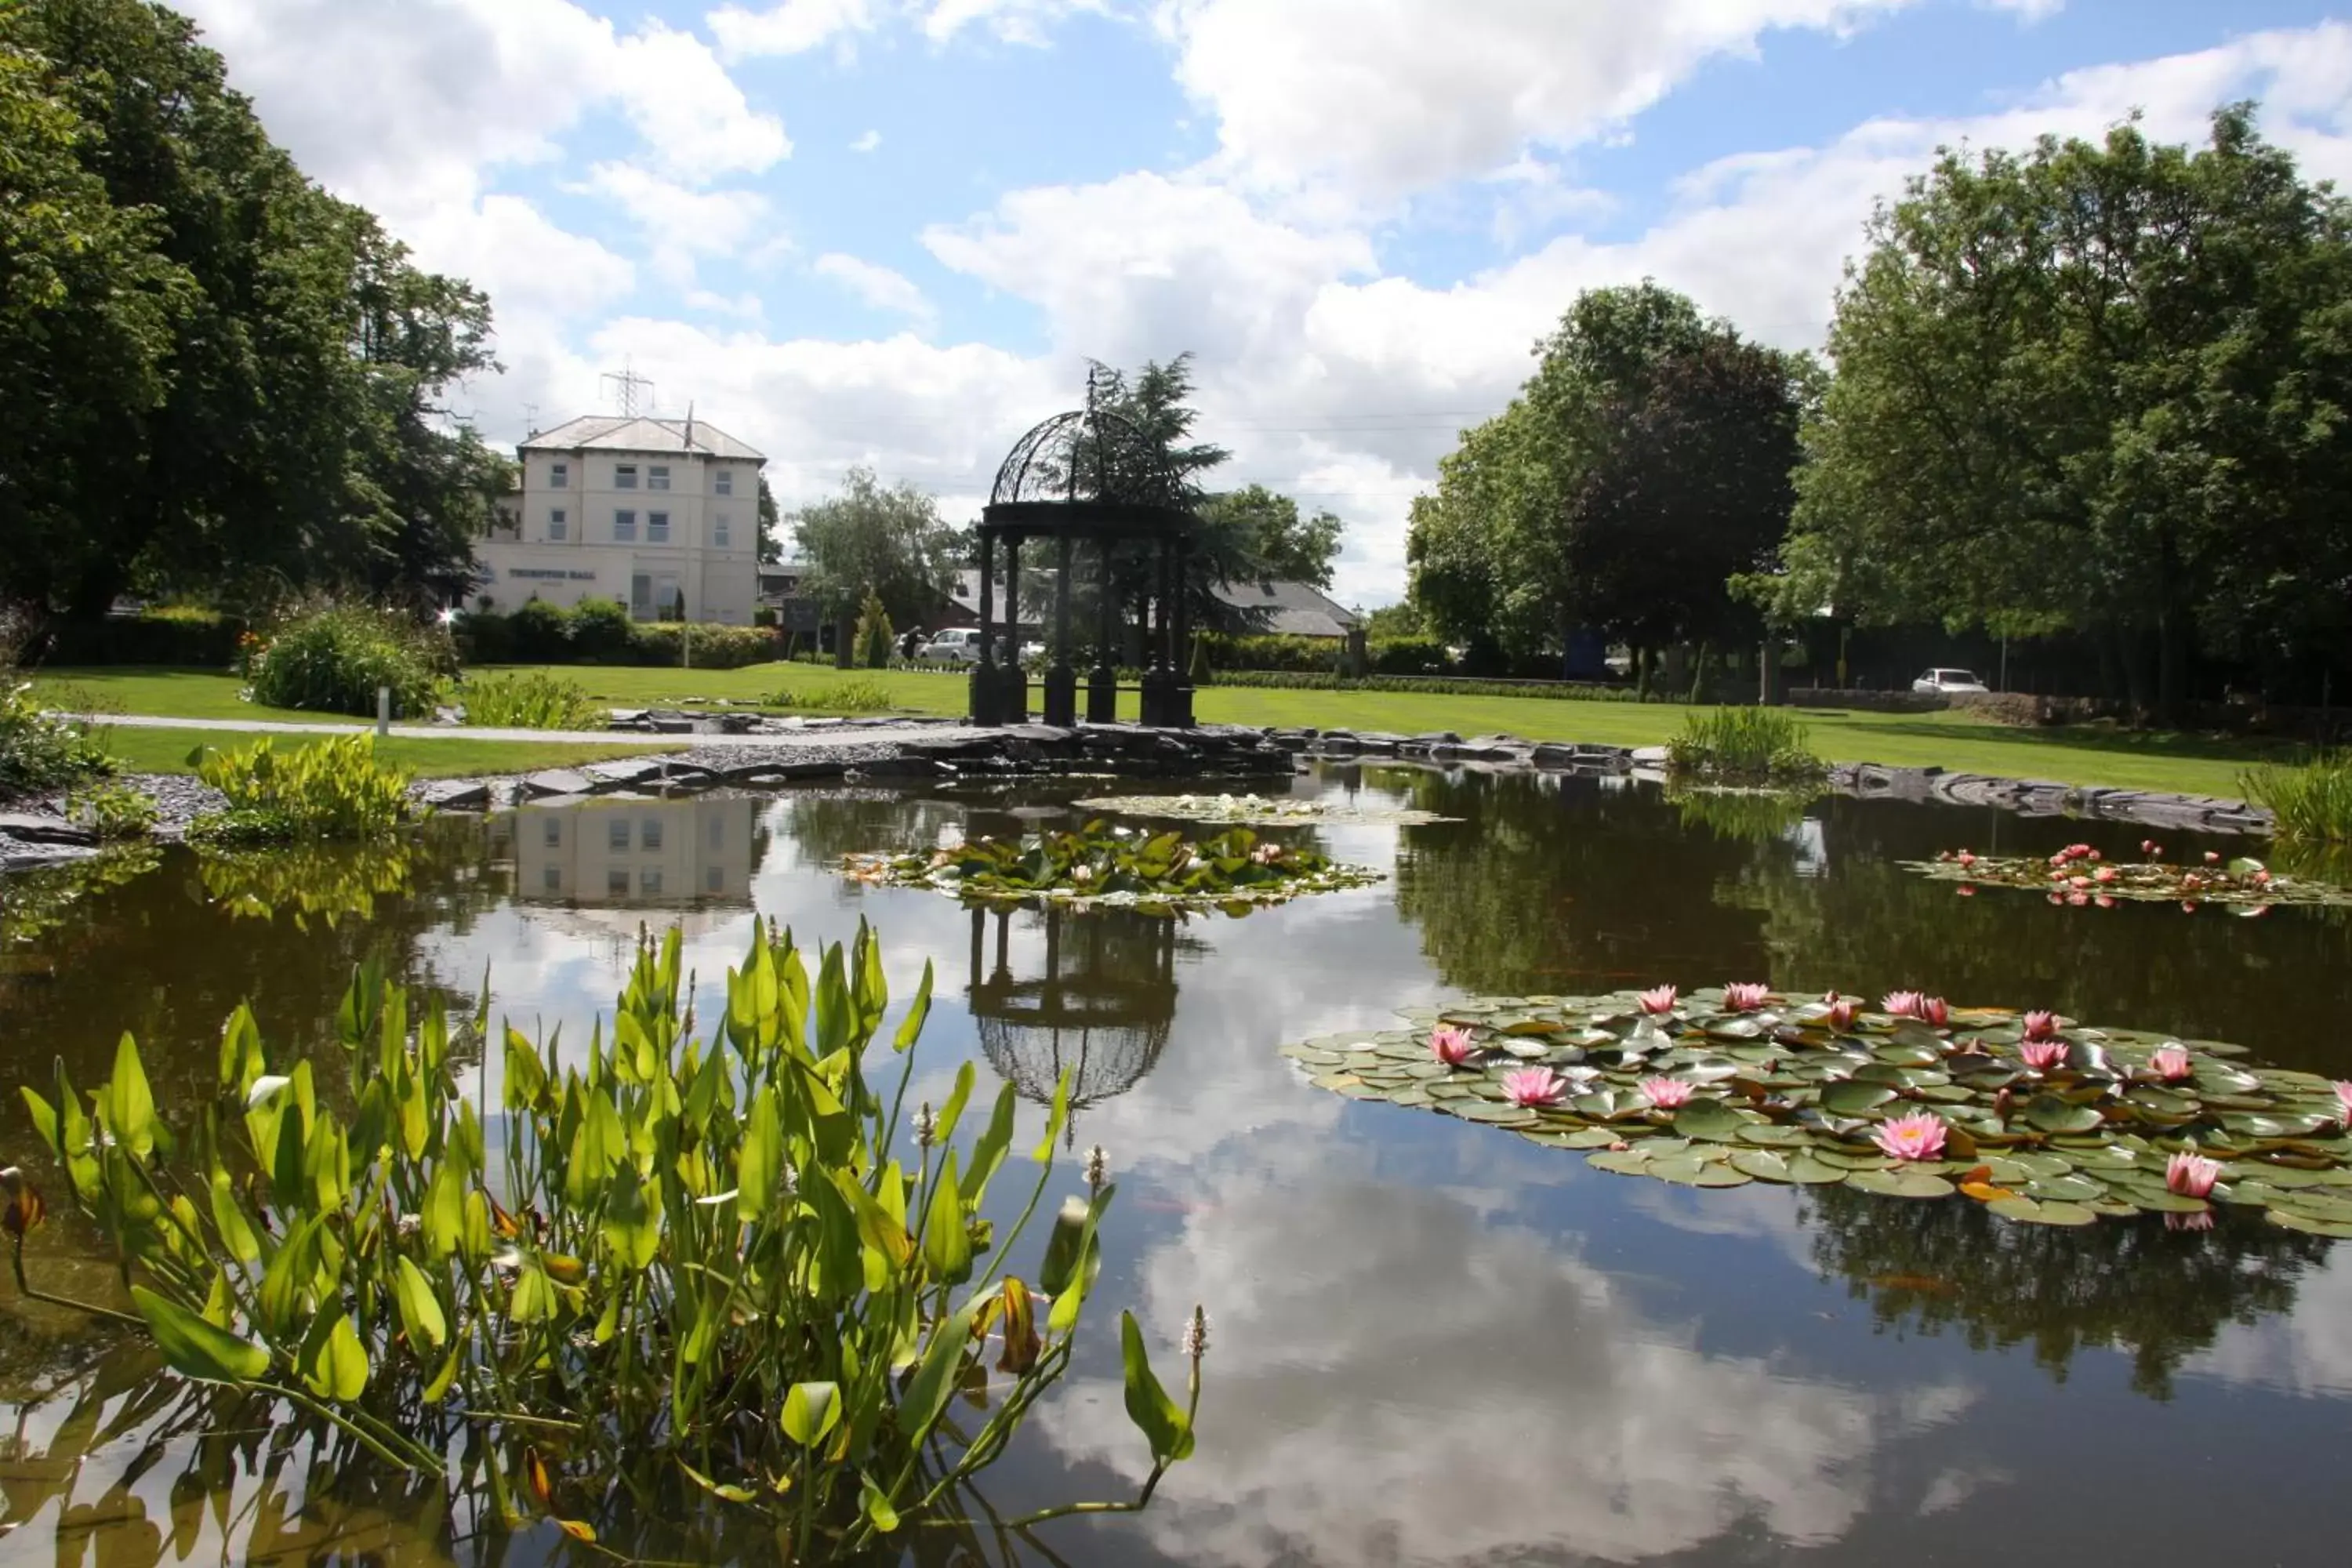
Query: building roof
{"type": "Point", "coordinates": [1286, 608]}
{"type": "Point", "coordinates": [618, 433]}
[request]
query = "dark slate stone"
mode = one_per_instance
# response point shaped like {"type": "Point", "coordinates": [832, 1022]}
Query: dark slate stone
{"type": "Point", "coordinates": [30, 827]}
{"type": "Point", "coordinates": [557, 780]}
{"type": "Point", "coordinates": [1438, 737]}
{"type": "Point", "coordinates": [454, 795]}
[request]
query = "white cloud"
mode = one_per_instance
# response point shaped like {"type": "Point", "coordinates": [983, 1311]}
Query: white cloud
{"type": "Point", "coordinates": [1012, 21]}
{"type": "Point", "coordinates": [792, 27]}
{"type": "Point", "coordinates": [2028, 11]}
{"type": "Point", "coordinates": [679, 224]}
{"type": "Point", "coordinates": [691, 112]}
{"type": "Point", "coordinates": [1388, 97]}
{"type": "Point", "coordinates": [877, 285]}
{"type": "Point", "coordinates": [867, 142]}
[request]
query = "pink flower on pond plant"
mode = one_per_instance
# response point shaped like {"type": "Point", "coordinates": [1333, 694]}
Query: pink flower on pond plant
{"type": "Point", "coordinates": [1452, 1045]}
{"type": "Point", "coordinates": [2170, 1062]}
{"type": "Point", "coordinates": [2103, 874]}
{"type": "Point", "coordinates": [1533, 1087]}
{"type": "Point", "coordinates": [1919, 1136]}
{"type": "Point", "coordinates": [2201, 1220]}
{"type": "Point", "coordinates": [2041, 1024]}
{"type": "Point", "coordinates": [1741, 997]}
{"type": "Point", "coordinates": [2343, 1088]}
{"type": "Point", "coordinates": [1659, 1001]}
{"type": "Point", "coordinates": [1666, 1094]}
{"type": "Point", "coordinates": [2043, 1056]}
{"type": "Point", "coordinates": [1934, 1012]}
{"type": "Point", "coordinates": [1841, 1014]}
{"type": "Point", "coordinates": [1901, 1004]}
{"type": "Point", "coordinates": [2191, 1176]}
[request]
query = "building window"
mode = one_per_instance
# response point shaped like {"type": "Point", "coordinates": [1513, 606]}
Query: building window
{"type": "Point", "coordinates": [551, 878]}
{"type": "Point", "coordinates": [657, 526]}
{"type": "Point", "coordinates": [658, 476]}
{"type": "Point", "coordinates": [616, 833]}
{"type": "Point", "coordinates": [625, 528]}
{"type": "Point", "coordinates": [717, 832]}
{"type": "Point", "coordinates": [649, 832]}
{"type": "Point", "coordinates": [558, 525]}
{"type": "Point", "coordinates": [625, 476]}
{"type": "Point", "coordinates": [650, 882]}
{"type": "Point", "coordinates": [718, 531]}
{"type": "Point", "coordinates": [654, 595]}
{"type": "Point", "coordinates": [713, 878]}
{"type": "Point", "coordinates": [551, 831]}
{"type": "Point", "coordinates": [722, 480]}
{"type": "Point", "coordinates": [616, 882]}
{"type": "Point", "coordinates": [559, 475]}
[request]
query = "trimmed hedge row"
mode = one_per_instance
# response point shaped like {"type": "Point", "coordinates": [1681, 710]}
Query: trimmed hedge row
{"type": "Point", "coordinates": [203, 638]}
{"type": "Point", "coordinates": [599, 631]}
{"type": "Point", "coordinates": [1303, 655]}
{"type": "Point", "coordinates": [1441, 684]}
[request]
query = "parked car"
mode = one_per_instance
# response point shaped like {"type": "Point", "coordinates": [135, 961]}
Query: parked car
{"type": "Point", "coordinates": [956, 645]}
{"type": "Point", "coordinates": [1945, 682]}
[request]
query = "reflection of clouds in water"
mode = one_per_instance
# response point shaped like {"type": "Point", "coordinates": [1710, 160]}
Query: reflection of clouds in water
{"type": "Point", "coordinates": [2307, 1352]}
{"type": "Point", "coordinates": [1391, 1380]}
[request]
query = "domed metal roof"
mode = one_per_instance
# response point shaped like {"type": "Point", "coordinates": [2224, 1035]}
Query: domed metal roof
{"type": "Point", "coordinates": [1092, 465]}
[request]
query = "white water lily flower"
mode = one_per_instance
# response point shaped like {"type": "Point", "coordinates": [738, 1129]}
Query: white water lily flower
{"type": "Point", "coordinates": [263, 1088]}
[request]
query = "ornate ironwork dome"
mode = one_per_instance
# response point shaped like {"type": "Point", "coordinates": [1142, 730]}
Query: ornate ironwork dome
{"type": "Point", "coordinates": [1090, 456]}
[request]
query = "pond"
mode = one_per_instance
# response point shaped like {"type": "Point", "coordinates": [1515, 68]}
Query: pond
{"type": "Point", "coordinates": [1431, 1342]}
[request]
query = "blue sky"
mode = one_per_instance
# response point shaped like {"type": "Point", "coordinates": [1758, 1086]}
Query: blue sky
{"type": "Point", "coordinates": [889, 231]}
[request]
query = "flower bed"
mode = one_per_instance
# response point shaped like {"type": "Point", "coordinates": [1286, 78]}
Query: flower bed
{"type": "Point", "coordinates": [1233, 872]}
{"type": "Point", "coordinates": [2077, 874]}
{"type": "Point", "coordinates": [2041, 1119]}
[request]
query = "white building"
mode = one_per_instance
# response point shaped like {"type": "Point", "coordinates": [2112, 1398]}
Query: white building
{"type": "Point", "coordinates": [652, 512]}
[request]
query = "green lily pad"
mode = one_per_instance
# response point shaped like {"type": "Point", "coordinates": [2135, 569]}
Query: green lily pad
{"type": "Point", "coordinates": [1854, 1098]}
{"type": "Point", "coordinates": [1761, 1163]}
{"type": "Point", "coordinates": [2310, 1223]}
{"type": "Point", "coordinates": [2049, 1113]}
{"type": "Point", "coordinates": [1710, 1120]}
{"type": "Point", "coordinates": [1900, 1183]}
{"type": "Point", "coordinates": [2033, 1212]}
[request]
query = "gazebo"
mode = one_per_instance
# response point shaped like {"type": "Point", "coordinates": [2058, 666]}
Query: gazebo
{"type": "Point", "coordinates": [1090, 475]}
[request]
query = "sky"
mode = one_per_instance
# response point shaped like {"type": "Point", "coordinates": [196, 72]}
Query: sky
{"type": "Point", "coordinates": [892, 232]}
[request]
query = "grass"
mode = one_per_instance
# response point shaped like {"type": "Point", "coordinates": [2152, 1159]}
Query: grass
{"type": "Point", "coordinates": [166, 751]}
{"type": "Point", "coordinates": [2074, 755]}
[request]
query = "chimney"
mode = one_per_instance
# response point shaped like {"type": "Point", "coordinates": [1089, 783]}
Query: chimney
{"type": "Point", "coordinates": [690, 424]}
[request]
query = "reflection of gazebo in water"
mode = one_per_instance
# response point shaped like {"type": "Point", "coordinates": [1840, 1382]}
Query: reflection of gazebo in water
{"type": "Point", "coordinates": [1101, 1010]}
{"type": "Point", "coordinates": [1092, 475]}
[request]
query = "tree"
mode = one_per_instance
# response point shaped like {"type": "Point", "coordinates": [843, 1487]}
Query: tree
{"type": "Point", "coordinates": [872, 643]}
{"type": "Point", "coordinates": [2099, 388]}
{"type": "Point", "coordinates": [890, 541]}
{"type": "Point", "coordinates": [1643, 463]}
{"type": "Point", "coordinates": [771, 538]}
{"type": "Point", "coordinates": [253, 401]}
{"type": "Point", "coordinates": [1267, 527]}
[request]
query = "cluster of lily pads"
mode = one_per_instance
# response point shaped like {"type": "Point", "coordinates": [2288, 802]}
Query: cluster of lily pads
{"type": "Point", "coordinates": [1256, 810]}
{"type": "Point", "coordinates": [2041, 1119]}
{"type": "Point", "coordinates": [1117, 866]}
{"type": "Point", "coordinates": [2079, 875]}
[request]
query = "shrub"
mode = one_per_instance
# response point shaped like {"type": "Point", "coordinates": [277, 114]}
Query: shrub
{"type": "Point", "coordinates": [333, 788]}
{"type": "Point", "coordinates": [1753, 743]}
{"type": "Point", "coordinates": [1230, 650]}
{"type": "Point", "coordinates": [719, 1252]}
{"type": "Point", "coordinates": [331, 660]}
{"type": "Point", "coordinates": [540, 633]}
{"type": "Point", "coordinates": [601, 631]}
{"type": "Point", "coordinates": [843, 696]}
{"type": "Point", "coordinates": [1441, 684]}
{"type": "Point", "coordinates": [2310, 802]}
{"type": "Point", "coordinates": [1409, 656]}
{"type": "Point", "coordinates": [38, 750]}
{"type": "Point", "coordinates": [180, 635]}
{"type": "Point", "coordinates": [530, 701]}
{"type": "Point", "coordinates": [713, 646]}
{"type": "Point", "coordinates": [871, 647]}
{"type": "Point", "coordinates": [111, 811]}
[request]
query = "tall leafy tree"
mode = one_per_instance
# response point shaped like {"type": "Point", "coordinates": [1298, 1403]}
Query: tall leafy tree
{"type": "Point", "coordinates": [2100, 386]}
{"type": "Point", "coordinates": [772, 529]}
{"type": "Point", "coordinates": [1267, 526]}
{"type": "Point", "coordinates": [890, 541]}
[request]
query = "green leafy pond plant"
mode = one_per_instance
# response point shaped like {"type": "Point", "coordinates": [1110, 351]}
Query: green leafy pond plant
{"type": "Point", "coordinates": [2041, 1118]}
{"type": "Point", "coordinates": [1165, 873]}
{"type": "Point", "coordinates": [1255, 811]}
{"type": "Point", "coordinates": [331, 789]}
{"type": "Point", "coordinates": [1743, 746]}
{"type": "Point", "coordinates": [664, 1262]}
{"type": "Point", "coordinates": [2078, 876]}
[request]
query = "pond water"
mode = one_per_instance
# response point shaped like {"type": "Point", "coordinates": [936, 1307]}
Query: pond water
{"type": "Point", "coordinates": [1432, 1341]}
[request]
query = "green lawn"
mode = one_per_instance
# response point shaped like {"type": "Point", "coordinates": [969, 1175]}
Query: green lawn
{"type": "Point", "coordinates": [166, 751]}
{"type": "Point", "coordinates": [2080, 754]}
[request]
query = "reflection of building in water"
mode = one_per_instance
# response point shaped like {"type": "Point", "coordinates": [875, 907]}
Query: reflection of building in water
{"type": "Point", "coordinates": [1100, 1009]}
{"type": "Point", "coordinates": [636, 852]}
{"type": "Point", "coordinates": [1812, 846]}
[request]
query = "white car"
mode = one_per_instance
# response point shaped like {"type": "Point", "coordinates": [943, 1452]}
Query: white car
{"type": "Point", "coordinates": [1945, 682]}
{"type": "Point", "coordinates": [956, 645]}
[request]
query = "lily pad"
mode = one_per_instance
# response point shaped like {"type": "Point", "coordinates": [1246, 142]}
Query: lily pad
{"type": "Point", "coordinates": [1900, 1184]}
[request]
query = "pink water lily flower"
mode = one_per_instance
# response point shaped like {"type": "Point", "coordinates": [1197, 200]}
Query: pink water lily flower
{"type": "Point", "coordinates": [2343, 1088]}
{"type": "Point", "coordinates": [2170, 1062]}
{"type": "Point", "coordinates": [2043, 1056]}
{"type": "Point", "coordinates": [1452, 1045]}
{"type": "Point", "coordinates": [1901, 1004]}
{"type": "Point", "coordinates": [2041, 1024]}
{"type": "Point", "coordinates": [1659, 1001]}
{"type": "Point", "coordinates": [1841, 1014]}
{"type": "Point", "coordinates": [1934, 1012]}
{"type": "Point", "coordinates": [1919, 1136]}
{"type": "Point", "coordinates": [1533, 1087]}
{"type": "Point", "coordinates": [1666, 1094]}
{"type": "Point", "coordinates": [2191, 1176]}
{"type": "Point", "coordinates": [2201, 1220]}
{"type": "Point", "coordinates": [1743, 997]}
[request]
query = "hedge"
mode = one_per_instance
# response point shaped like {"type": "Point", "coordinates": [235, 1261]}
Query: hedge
{"type": "Point", "coordinates": [601, 632]}
{"type": "Point", "coordinates": [174, 636]}
{"type": "Point", "coordinates": [1442, 685]}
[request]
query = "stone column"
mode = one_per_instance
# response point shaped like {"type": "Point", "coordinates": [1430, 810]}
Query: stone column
{"type": "Point", "coordinates": [1102, 684]}
{"type": "Point", "coordinates": [985, 709]}
{"type": "Point", "coordinates": [1062, 679]}
{"type": "Point", "coordinates": [1015, 685]}
{"type": "Point", "coordinates": [1180, 707]}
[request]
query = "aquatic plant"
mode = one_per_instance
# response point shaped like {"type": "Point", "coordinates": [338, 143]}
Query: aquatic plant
{"type": "Point", "coordinates": [2078, 876]}
{"type": "Point", "coordinates": [307, 882]}
{"type": "Point", "coordinates": [533, 700]}
{"type": "Point", "coordinates": [668, 1258]}
{"type": "Point", "coordinates": [2309, 801]}
{"type": "Point", "coordinates": [1743, 744]}
{"type": "Point", "coordinates": [2039, 1118]}
{"type": "Point", "coordinates": [113, 812]}
{"type": "Point", "coordinates": [38, 750]}
{"type": "Point", "coordinates": [329, 789]}
{"type": "Point", "coordinates": [1255, 811]}
{"type": "Point", "coordinates": [1116, 866]}
{"type": "Point", "coordinates": [859, 696]}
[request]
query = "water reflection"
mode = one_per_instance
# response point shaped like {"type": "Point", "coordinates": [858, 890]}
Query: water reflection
{"type": "Point", "coordinates": [634, 853]}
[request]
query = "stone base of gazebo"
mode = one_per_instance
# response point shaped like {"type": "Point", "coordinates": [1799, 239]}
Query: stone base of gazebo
{"type": "Point", "coordinates": [1000, 695]}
